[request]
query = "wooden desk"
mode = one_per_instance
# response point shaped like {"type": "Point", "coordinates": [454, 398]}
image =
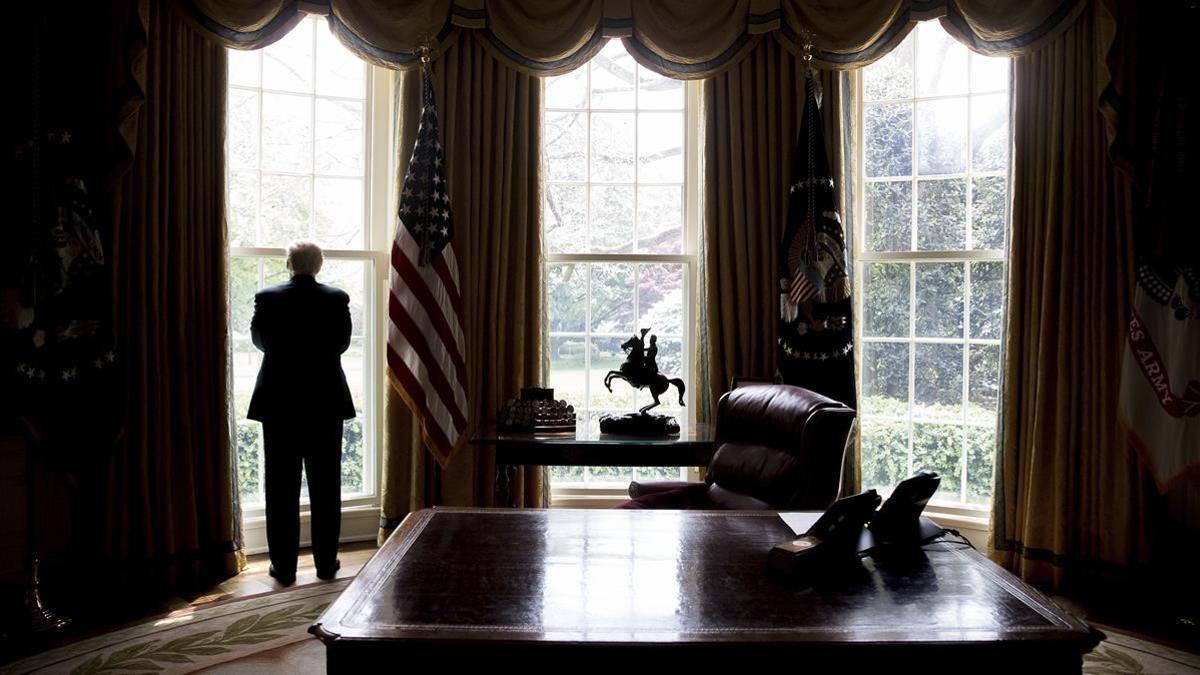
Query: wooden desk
{"type": "Point", "coordinates": [634, 588]}
{"type": "Point", "coordinates": [588, 447]}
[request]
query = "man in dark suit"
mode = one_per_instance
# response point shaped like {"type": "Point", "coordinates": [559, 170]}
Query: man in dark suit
{"type": "Point", "coordinates": [301, 398]}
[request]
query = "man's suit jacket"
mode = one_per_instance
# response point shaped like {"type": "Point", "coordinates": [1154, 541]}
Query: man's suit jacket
{"type": "Point", "coordinates": [302, 328]}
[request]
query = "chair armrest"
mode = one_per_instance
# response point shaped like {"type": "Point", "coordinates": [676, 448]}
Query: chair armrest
{"type": "Point", "coordinates": [637, 489]}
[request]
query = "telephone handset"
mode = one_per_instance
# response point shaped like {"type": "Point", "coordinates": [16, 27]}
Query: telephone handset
{"type": "Point", "coordinates": [899, 520]}
{"type": "Point", "coordinates": [834, 537]}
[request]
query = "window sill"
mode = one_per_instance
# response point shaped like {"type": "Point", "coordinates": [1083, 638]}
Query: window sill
{"type": "Point", "coordinates": [360, 522]}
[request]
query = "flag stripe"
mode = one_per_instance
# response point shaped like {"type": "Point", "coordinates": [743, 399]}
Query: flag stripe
{"type": "Point", "coordinates": [435, 408]}
{"type": "Point", "coordinates": [416, 341]}
{"type": "Point", "coordinates": [442, 360]}
{"type": "Point", "coordinates": [447, 270]}
{"type": "Point", "coordinates": [435, 309]}
{"type": "Point", "coordinates": [408, 382]}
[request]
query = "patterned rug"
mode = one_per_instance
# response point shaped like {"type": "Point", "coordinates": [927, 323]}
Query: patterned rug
{"type": "Point", "coordinates": [268, 634]}
{"type": "Point", "coordinates": [262, 633]}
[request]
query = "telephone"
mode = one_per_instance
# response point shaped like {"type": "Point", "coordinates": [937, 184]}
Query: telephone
{"type": "Point", "coordinates": [834, 537]}
{"type": "Point", "coordinates": [899, 522]}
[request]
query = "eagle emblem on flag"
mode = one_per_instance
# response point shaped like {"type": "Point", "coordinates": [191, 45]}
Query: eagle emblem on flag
{"type": "Point", "coordinates": [815, 334]}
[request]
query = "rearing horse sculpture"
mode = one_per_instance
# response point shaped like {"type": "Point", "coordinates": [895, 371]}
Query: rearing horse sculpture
{"type": "Point", "coordinates": [640, 371]}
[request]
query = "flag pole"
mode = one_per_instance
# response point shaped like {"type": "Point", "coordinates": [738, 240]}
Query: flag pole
{"type": "Point", "coordinates": [426, 81]}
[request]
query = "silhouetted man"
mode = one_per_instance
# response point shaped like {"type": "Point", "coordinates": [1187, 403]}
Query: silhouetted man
{"type": "Point", "coordinates": [301, 398]}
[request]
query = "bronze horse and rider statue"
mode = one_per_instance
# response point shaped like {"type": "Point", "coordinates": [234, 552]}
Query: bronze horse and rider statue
{"type": "Point", "coordinates": [641, 371]}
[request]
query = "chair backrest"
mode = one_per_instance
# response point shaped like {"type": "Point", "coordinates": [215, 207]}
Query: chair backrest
{"type": "Point", "coordinates": [778, 447]}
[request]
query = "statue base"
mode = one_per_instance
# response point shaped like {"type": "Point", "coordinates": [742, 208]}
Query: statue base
{"type": "Point", "coordinates": [639, 424]}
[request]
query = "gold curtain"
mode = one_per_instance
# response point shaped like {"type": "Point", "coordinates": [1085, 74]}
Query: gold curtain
{"type": "Point", "coordinates": [1069, 494]}
{"type": "Point", "coordinates": [169, 498]}
{"type": "Point", "coordinates": [687, 39]}
{"type": "Point", "coordinates": [490, 118]}
{"type": "Point", "coordinates": [752, 124]}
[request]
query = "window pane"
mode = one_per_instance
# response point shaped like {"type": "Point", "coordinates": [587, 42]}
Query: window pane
{"type": "Point", "coordinates": [885, 378]}
{"type": "Point", "coordinates": [564, 146]}
{"type": "Point", "coordinates": [941, 61]}
{"type": "Point", "coordinates": [989, 132]}
{"type": "Point", "coordinates": [981, 453]}
{"type": "Point", "coordinates": [886, 299]}
{"type": "Point", "coordinates": [243, 284]}
{"type": "Point", "coordinates": [612, 219]}
{"type": "Point", "coordinates": [245, 67]}
{"type": "Point", "coordinates": [339, 137]}
{"type": "Point", "coordinates": [242, 128]}
{"type": "Point", "coordinates": [285, 208]}
{"type": "Point", "coordinates": [613, 77]}
{"type": "Point", "coordinates": [889, 140]}
{"type": "Point", "coordinates": [989, 73]}
{"type": "Point", "coordinates": [564, 218]}
{"type": "Point", "coordinates": [249, 459]}
{"type": "Point", "coordinates": [892, 76]}
{"type": "Point", "coordinates": [987, 300]}
{"type": "Point", "coordinates": [339, 212]}
{"type": "Point", "coordinates": [660, 147]}
{"type": "Point", "coordinates": [658, 92]}
{"type": "Point", "coordinates": [939, 300]}
{"type": "Point", "coordinates": [889, 216]}
{"type": "Point", "coordinates": [339, 71]}
{"type": "Point", "coordinates": [568, 90]}
{"type": "Point", "coordinates": [942, 214]}
{"type": "Point", "coordinates": [660, 299]}
{"type": "Point", "coordinates": [989, 198]}
{"type": "Point", "coordinates": [242, 208]}
{"type": "Point", "coordinates": [942, 136]}
{"type": "Point", "coordinates": [612, 298]}
{"type": "Point", "coordinates": [287, 132]}
{"type": "Point", "coordinates": [938, 447]}
{"type": "Point", "coordinates": [288, 63]}
{"type": "Point", "coordinates": [246, 361]}
{"type": "Point", "coordinates": [939, 380]}
{"type": "Point", "coordinates": [884, 453]}
{"type": "Point", "coordinates": [274, 272]}
{"type": "Point", "coordinates": [353, 457]}
{"type": "Point", "coordinates": [983, 397]}
{"type": "Point", "coordinates": [567, 295]}
{"type": "Point", "coordinates": [660, 219]}
{"type": "Point", "coordinates": [354, 365]}
{"type": "Point", "coordinates": [568, 372]}
{"type": "Point", "coordinates": [348, 276]}
{"type": "Point", "coordinates": [612, 146]}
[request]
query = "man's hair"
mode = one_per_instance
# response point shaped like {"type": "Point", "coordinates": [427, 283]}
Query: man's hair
{"type": "Point", "coordinates": [305, 257]}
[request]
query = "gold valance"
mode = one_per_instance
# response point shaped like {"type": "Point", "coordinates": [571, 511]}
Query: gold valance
{"type": "Point", "coordinates": [684, 39]}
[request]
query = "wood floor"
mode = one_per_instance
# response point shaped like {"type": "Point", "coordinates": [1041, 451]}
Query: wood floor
{"type": "Point", "coordinates": [255, 579]}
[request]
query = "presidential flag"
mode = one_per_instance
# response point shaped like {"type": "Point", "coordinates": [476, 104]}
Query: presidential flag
{"type": "Point", "coordinates": [425, 337]}
{"type": "Point", "coordinates": [815, 334]}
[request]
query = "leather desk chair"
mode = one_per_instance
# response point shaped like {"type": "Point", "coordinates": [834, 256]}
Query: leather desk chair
{"type": "Point", "coordinates": [778, 447]}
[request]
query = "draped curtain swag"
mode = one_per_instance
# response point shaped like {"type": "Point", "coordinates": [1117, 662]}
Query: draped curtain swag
{"type": "Point", "coordinates": [685, 39]}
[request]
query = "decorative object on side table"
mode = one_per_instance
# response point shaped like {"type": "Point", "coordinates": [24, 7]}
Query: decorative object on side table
{"type": "Point", "coordinates": [537, 411]}
{"type": "Point", "coordinates": [640, 370]}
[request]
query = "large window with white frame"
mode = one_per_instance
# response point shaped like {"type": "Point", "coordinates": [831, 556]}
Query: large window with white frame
{"type": "Point", "coordinates": [620, 183]}
{"type": "Point", "coordinates": [931, 253]}
{"type": "Point", "coordinates": [303, 117]}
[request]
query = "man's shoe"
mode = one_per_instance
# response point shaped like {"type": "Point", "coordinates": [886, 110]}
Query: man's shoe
{"type": "Point", "coordinates": [283, 579]}
{"type": "Point", "coordinates": [329, 572]}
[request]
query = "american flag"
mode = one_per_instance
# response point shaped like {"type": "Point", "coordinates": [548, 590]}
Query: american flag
{"type": "Point", "coordinates": [425, 338]}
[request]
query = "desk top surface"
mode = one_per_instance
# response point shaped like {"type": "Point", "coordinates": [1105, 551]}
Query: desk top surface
{"type": "Point", "coordinates": [603, 576]}
{"type": "Point", "coordinates": [588, 433]}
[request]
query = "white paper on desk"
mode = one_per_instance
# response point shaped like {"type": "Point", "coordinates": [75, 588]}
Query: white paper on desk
{"type": "Point", "coordinates": [799, 521]}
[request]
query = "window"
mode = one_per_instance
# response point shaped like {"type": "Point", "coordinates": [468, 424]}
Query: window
{"type": "Point", "coordinates": [300, 165]}
{"type": "Point", "coordinates": [618, 210]}
{"type": "Point", "coordinates": [931, 251]}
